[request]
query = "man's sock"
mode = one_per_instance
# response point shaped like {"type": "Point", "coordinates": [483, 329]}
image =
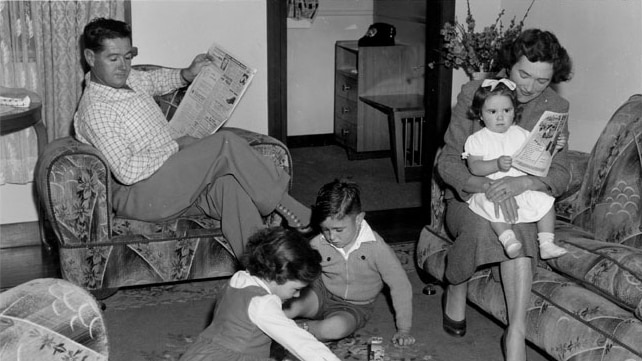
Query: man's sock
{"type": "Point", "coordinates": [296, 214]}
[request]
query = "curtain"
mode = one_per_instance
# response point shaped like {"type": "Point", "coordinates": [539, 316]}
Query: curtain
{"type": "Point", "coordinates": [40, 51]}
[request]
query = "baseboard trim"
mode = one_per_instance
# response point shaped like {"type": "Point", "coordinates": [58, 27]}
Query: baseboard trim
{"type": "Point", "coordinates": [313, 140]}
{"type": "Point", "coordinates": [22, 234]}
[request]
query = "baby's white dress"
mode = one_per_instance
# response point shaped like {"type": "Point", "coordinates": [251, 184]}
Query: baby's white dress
{"type": "Point", "coordinates": [533, 205]}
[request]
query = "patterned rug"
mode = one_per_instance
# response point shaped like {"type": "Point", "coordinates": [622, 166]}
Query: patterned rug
{"type": "Point", "coordinates": [201, 290]}
{"type": "Point", "coordinates": [158, 323]}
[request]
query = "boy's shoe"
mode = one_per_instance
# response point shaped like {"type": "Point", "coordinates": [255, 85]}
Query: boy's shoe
{"type": "Point", "coordinates": [512, 247]}
{"type": "Point", "coordinates": [548, 250]}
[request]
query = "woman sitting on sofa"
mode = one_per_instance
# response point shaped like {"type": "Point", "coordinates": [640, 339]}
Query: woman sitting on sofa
{"type": "Point", "coordinates": [534, 61]}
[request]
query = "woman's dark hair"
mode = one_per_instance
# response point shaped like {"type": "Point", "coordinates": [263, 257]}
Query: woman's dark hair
{"type": "Point", "coordinates": [279, 254]}
{"type": "Point", "coordinates": [482, 93]}
{"type": "Point", "coordinates": [538, 46]}
{"type": "Point", "coordinates": [99, 29]}
{"type": "Point", "coordinates": [336, 200]}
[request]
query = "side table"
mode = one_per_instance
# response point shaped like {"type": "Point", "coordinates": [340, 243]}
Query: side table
{"type": "Point", "coordinates": [21, 118]}
{"type": "Point", "coordinates": [406, 119]}
{"type": "Point", "coordinates": [16, 119]}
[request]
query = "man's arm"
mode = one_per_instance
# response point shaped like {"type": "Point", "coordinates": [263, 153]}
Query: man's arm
{"type": "Point", "coordinates": [104, 130]}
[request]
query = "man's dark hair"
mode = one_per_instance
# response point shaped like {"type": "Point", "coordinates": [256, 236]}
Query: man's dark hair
{"type": "Point", "coordinates": [538, 46]}
{"type": "Point", "coordinates": [99, 29]}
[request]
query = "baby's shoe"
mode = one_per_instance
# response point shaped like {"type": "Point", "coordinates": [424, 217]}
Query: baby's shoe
{"type": "Point", "coordinates": [548, 250]}
{"type": "Point", "coordinates": [512, 246]}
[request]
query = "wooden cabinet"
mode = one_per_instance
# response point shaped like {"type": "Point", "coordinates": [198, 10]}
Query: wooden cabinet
{"type": "Point", "coordinates": [369, 71]}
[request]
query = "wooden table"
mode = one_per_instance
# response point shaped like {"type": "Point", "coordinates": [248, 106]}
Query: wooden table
{"type": "Point", "coordinates": [406, 119]}
{"type": "Point", "coordinates": [21, 118]}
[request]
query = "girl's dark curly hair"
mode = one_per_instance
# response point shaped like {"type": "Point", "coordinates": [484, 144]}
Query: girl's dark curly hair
{"type": "Point", "coordinates": [99, 29]}
{"type": "Point", "coordinates": [538, 46]}
{"type": "Point", "coordinates": [483, 93]}
{"type": "Point", "coordinates": [336, 199]}
{"type": "Point", "coordinates": [279, 254]}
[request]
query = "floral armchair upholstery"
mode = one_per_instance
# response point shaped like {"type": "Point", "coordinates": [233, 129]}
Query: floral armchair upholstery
{"type": "Point", "coordinates": [51, 319]}
{"type": "Point", "coordinates": [587, 304]}
{"type": "Point", "coordinates": [99, 250]}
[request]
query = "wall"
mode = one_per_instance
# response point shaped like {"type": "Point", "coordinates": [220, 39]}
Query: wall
{"type": "Point", "coordinates": [598, 34]}
{"type": "Point", "coordinates": [311, 63]}
{"type": "Point", "coordinates": [171, 33]}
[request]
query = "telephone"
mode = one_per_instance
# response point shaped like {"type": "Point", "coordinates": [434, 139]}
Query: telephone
{"type": "Point", "coordinates": [379, 34]}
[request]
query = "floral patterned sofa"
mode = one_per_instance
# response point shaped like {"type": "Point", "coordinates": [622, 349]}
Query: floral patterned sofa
{"type": "Point", "coordinates": [51, 319]}
{"type": "Point", "coordinates": [101, 251]}
{"type": "Point", "coordinates": [587, 304]}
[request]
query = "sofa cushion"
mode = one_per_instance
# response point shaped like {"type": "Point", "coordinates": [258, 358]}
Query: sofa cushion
{"type": "Point", "coordinates": [613, 270]}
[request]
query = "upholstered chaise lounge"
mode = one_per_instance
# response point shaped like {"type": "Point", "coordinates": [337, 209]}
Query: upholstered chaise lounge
{"type": "Point", "coordinates": [587, 304]}
{"type": "Point", "coordinates": [99, 250]}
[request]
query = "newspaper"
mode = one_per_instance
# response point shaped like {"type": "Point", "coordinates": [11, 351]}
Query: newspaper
{"type": "Point", "coordinates": [213, 95]}
{"type": "Point", "coordinates": [536, 154]}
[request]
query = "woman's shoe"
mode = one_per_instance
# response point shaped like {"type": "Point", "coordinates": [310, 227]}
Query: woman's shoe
{"type": "Point", "coordinates": [453, 328]}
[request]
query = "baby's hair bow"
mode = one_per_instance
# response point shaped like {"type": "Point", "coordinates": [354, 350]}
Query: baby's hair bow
{"type": "Point", "coordinates": [492, 83]}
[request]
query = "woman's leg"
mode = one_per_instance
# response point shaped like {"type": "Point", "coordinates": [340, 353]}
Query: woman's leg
{"type": "Point", "coordinates": [517, 279]}
{"type": "Point", "coordinates": [455, 307]}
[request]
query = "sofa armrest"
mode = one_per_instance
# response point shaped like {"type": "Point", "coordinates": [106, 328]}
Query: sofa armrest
{"type": "Point", "coordinates": [74, 186]}
{"type": "Point", "coordinates": [48, 319]}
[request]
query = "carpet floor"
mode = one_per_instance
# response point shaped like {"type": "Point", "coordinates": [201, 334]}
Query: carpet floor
{"type": "Point", "coordinates": [316, 166]}
{"type": "Point", "coordinates": [159, 323]}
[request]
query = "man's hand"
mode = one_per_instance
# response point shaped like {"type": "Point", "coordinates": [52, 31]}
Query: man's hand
{"type": "Point", "coordinates": [504, 163]}
{"type": "Point", "coordinates": [185, 141]}
{"type": "Point", "coordinates": [190, 73]}
{"type": "Point", "coordinates": [402, 338]}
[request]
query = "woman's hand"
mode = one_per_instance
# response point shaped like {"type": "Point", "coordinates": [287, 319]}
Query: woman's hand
{"type": "Point", "coordinates": [502, 192]}
{"type": "Point", "coordinates": [562, 139]}
{"type": "Point", "coordinates": [401, 338]}
{"type": "Point", "coordinates": [190, 73]}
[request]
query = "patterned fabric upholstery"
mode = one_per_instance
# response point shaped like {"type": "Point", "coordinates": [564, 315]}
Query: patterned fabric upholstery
{"type": "Point", "coordinates": [99, 250]}
{"type": "Point", "coordinates": [51, 319]}
{"type": "Point", "coordinates": [586, 305]}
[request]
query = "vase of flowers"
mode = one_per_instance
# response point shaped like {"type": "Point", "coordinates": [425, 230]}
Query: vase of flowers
{"type": "Point", "coordinates": [475, 52]}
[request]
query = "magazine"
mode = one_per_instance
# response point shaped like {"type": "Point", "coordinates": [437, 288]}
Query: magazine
{"type": "Point", "coordinates": [536, 154]}
{"type": "Point", "coordinates": [213, 95]}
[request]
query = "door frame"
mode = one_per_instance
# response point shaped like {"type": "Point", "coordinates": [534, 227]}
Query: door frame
{"type": "Point", "coordinates": [277, 44]}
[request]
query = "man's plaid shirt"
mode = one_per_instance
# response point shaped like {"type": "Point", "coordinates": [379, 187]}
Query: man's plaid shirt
{"type": "Point", "coordinates": [126, 125]}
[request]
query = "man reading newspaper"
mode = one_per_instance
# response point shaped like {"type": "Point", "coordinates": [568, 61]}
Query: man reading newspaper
{"type": "Point", "coordinates": [160, 175]}
{"type": "Point", "coordinates": [212, 97]}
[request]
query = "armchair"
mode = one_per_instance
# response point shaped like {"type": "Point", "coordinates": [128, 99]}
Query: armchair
{"type": "Point", "coordinates": [99, 250]}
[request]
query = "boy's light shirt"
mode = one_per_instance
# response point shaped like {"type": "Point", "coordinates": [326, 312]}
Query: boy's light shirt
{"type": "Point", "coordinates": [365, 234]}
{"type": "Point", "coordinates": [266, 312]}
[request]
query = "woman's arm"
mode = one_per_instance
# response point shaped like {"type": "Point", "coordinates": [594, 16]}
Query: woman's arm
{"type": "Point", "coordinates": [450, 165]}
